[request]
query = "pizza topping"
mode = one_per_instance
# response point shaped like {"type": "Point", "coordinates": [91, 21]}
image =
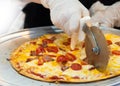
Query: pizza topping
{"type": "Point", "coordinates": [47, 41]}
{"type": "Point", "coordinates": [69, 39]}
{"type": "Point", "coordinates": [118, 43]}
{"type": "Point", "coordinates": [52, 56]}
{"type": "Point", "coordinates": [40, 61]}
{"type": "Point", "coordinates": [53, 38]}
{"type": "Point", "coordinates": [34, 43]}
{"type": "Point", "coordinates": [30, 59]}
{"type": "Point", "coordinates": [56, 77]}
{"type": "Point", "coordinates": [70, 57]}
{"type": "Point", "coordinates": [76, 77]}
{"type": "Point", "coordinates": [76, 66]}
{"type": "Point", "coordinates": [116, 52]}
{"type": "Point", "coordinates": [63, 68]}
{"type": "Point", "coordinates": [84, 63]}
{"type": "Point", "coordinates": [20, 50]}
{"type": "Point", "coordinates": [18, 65]}
{"type": "Point", "coordinates": [52, 49]}
{"type": "Point", "coordinates": [39, 50]}
{"type": "Point", "coordinates": [32, 53]}
{"type": "Point", "coordinates": [47, 58]}
{"type": "Point", "coordinates": [36, 74]}
{"type": "Point", "coordinates": [62, 59]}
{"type": "Point", "coordinates": [109, 42]}
{"type": "Point", "coordinates": [66, 43]}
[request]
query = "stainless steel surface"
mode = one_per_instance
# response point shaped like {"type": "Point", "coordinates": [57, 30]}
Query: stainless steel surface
{"type": "Point", "coordinates": [9, 77]}
{"type": "Point", "coordinates": [96, 47]}
{"type": "Point", "coordinates": [92, 39]}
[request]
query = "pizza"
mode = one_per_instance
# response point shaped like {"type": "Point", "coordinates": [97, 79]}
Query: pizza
{"type": "Point", "coordinates": [49, 58]}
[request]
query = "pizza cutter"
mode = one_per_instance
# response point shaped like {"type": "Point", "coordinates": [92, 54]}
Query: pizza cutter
{"type": "Point", "coordinates": [96, 47]}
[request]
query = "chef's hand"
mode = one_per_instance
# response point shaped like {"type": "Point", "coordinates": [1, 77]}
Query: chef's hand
{"type": "Point", "coordinates": [108, 16]}
{"type": "Point", "coordinates": [66, 15]}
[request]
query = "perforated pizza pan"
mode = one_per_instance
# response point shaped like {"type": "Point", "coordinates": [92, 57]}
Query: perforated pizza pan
{"type": "Point", "coordinates": [9, 42]}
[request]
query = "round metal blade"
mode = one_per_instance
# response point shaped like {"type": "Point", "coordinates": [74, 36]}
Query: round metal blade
{"type": "Point", "coordinates": [100, 61]}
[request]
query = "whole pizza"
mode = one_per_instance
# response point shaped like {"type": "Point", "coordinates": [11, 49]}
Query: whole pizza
{"type": "Point", "coordinates": [49, 58]}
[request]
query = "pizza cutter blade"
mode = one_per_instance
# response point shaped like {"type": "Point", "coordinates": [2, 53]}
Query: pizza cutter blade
{"type": "Point", "coordinates": [96, 47]}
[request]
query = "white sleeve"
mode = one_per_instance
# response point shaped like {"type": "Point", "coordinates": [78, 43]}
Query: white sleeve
{"type": "Point", "coordinates": [10, 10]}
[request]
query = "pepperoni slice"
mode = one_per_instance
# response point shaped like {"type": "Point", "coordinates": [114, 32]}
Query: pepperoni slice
{"type": "Point", "coordinates": [109, 42]}
{"type": "Point", "coordinates": [40, 49]}
{"type": "Point", "coordinates": [76, 66]}
{"type": "Point", "coordinates": [62, 59]}
{"type": "Point", "coordinates": [116, 52]}
{"type": "Point", "coordinates": [70, 57]}
{"type": "Point", "coordinates": [52, 49]}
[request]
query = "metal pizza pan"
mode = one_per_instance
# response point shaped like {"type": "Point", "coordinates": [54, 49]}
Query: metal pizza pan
{"type": "Point", "coordinates": [9, 77]}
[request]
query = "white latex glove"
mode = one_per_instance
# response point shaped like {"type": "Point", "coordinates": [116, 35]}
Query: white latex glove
{"type": "Point", "coordinates": [66, 15]}
{"type": "Point", "coordinates": [108, 16]}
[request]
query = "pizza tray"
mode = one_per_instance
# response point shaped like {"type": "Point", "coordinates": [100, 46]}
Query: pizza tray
{"type": "Point", "coordinates": [9, 42]}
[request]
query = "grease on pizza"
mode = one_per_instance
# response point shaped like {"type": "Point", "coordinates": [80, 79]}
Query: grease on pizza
{"type": "Point", "coordinates": [49, 58]}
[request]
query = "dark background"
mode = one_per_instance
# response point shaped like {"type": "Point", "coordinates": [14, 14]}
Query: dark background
{"type": "Point", "coordinates": [37, 15]}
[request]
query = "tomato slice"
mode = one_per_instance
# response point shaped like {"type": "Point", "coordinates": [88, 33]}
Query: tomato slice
{"type": "Point", "coordinates": [52, 49]}
{"type": "Point", "coordinates": [76, 66]}
{"type": "Point", "coordinates": [116, 52]}
{"type": "Point", "coordinates": [70, 56]}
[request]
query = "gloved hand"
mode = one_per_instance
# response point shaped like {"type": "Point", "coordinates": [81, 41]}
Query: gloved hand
{"type": "Point", "coordinates": [108, 16]}
{"type": "Point", "coordinates": [66, 15]}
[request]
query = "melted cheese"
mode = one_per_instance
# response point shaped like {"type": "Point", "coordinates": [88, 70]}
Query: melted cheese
{"type": "Point", "coordinates": [53, 68]}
